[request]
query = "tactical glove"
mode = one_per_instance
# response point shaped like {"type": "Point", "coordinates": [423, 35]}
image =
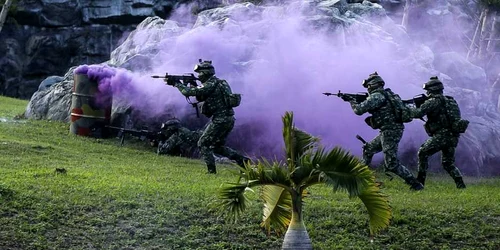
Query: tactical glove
{"type": "Point", "coordinates": [170, 82]}
{"type": "Point", "coordinates": [346, 98]}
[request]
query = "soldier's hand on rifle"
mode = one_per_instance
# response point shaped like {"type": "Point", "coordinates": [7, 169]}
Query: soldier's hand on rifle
{"type": "Point", "coordinates": [170, 81]}
{"type": "Point", "coordinates": [346, 98]}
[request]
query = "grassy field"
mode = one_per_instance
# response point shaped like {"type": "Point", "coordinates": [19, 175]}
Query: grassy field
{"type": "Point", "coordinates": [114, 197]}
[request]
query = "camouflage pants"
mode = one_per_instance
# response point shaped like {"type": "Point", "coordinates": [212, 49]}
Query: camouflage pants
{"type": "Point", "coordinates": [444, 142]}
{"type": "Point", "coordinates": [213, 139]}
{"type": "Point", "coordinates": [387, 142]}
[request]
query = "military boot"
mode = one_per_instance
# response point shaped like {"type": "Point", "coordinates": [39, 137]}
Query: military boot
{"type": "Point", "coordinates": [460, 182]}
{"type": "Point", "coordinates": [211, 169]}
{"type": "Point", "coordinates": [421, 177]}
{"type": "Point", "coordinates": [242, 161]}
{"type": "Point", "coordinates": [414, 184]}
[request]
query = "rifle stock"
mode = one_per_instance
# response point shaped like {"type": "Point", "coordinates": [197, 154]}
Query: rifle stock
{"type": "Point", "coordinates": [417, 100]}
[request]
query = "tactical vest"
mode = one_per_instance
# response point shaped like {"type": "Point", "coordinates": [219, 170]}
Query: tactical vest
{"type": "Point", "coordinates": [401, 112]}
{"type": "Point", "coordinates": [384, 116]}
{"type": "Point", "coordinates": [446, 117]}
{"type": "Point", "coordinates": [216, 103]}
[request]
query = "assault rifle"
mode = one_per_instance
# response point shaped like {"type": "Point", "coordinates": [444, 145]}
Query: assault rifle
{"type": "Point", "coordinates": [417, 100]}
{"type": "Point", "coordinates": [357, 98]}
{"type": "Point", "coordinates": [187, 79]}
{"type": "Point", "coordinates": [143, 134]}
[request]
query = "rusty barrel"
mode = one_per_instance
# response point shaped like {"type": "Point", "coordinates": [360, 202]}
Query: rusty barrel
{"type": "Point", "coordinates": [88, 117]}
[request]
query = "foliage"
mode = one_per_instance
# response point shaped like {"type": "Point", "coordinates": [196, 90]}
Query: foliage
{"type": "Point", "coordinates": [307, 164]}
{"type": "Point", "coordinates": [129, 198]}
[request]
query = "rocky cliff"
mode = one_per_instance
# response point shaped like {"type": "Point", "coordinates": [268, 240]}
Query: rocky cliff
{"type": "Point", "coordinates": [44, 37]}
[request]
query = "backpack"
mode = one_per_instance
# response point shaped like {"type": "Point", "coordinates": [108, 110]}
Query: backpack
{"type": "Point", "coordinates": [231, 100]}
{"type": "Point", "coordinates": [401, 111]}
{"type": "Point", "coordinates": [454, 118]}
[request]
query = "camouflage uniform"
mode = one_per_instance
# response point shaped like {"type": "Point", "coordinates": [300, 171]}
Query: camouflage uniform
{"type": "Point", "coordinates": [222, 121]}
{"type": "Point", "coordinates": [182, 142]}
{"type": "Point", "coordinates": [441, 139]}
{"type": "Point", "coordinates": [390, 134]}
{"type": "Point", "coordinates": [383, 118]}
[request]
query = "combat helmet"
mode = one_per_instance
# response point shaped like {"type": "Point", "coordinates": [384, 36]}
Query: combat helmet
{"type": "Point", "coordinates": [433, 85]}
{"type": "Point", "coordinates": [373, 81]}
{"type": "Point", "coordinates": [204, 66]}
{"type": "Point", "coordinates": [171, 124]}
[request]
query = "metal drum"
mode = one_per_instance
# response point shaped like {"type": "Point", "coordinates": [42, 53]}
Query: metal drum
{"type": "Point", "coordinates": [88, 118]}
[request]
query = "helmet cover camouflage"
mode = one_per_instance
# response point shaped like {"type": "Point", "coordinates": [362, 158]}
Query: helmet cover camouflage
{"type": "Point", "coordinates": [204, 66]}
{"type": "Point", "coordinates": [374, 80]}
{"type": "Point", "coordinates": [172, 123]}
{"type": "Point", "coordinates": [434, 84]}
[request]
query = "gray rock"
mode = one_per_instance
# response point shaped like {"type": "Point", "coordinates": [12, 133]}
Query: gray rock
{"type": "Point", "coordinates": [52, 103]}
{"type": "Point", "coordinates": [37, 53]}
{"type": "Point", "coordinates": [64, 13]}
{"type": "Point", "coordinates": [62, 33]}
{"type": "Point", "coordinates": [463, 73]}
{"type": "Point", "coordinates": [237, 12]}
{"type": "Point", "coordinates": [116, 11]}
{"type": "Point", "coordinates": [367, 8]}
{"type": "Point", "coordinates": [141, 44]}
{"type": "Point", "coordinates": [49, 81]}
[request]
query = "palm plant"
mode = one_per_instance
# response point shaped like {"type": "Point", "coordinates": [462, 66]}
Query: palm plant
{"type": "Point", "coordinates": [285, 182]}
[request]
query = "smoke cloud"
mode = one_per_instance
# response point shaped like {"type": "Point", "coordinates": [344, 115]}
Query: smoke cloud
{"type": "Point", "coordinates": [280, 59]}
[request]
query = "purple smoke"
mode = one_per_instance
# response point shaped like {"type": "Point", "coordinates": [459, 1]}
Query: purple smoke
{"type": "Point", "coordinates": [279, 62]}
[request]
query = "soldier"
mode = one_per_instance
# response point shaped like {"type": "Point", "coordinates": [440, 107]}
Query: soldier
{"type": "Point", "coordinates": [218, 105]}
{"type": "Point", "coordinates": [438, 126]}
{"type": "Point", "coordinates": [383, 118]}
{"type": "Point", "coordinates": [179, 141]}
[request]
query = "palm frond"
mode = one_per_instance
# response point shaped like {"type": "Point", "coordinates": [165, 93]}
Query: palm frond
{"type": "Point", "coordinates": [379, 209]}
{"type": "Point", "coordinates": [233, 201]}
{"type": "Point", "coordinates": [277, 209]}
{"type": "Point", "coordinates": [268, 173]}
{"type": "Point", "coordinates": [297, 142]}
{"type": "Point", "coordinates": [342, 170]}
{"type": "Point", "coordinates": [232, 195]}
{"type": "Point", "coordinates": [306, 173]}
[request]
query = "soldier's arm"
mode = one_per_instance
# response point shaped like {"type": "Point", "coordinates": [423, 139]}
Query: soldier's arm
{"type": "Point", "coordinates": [206, 89]}
{"type": "Point", "coordinates": [373, 102]}
{"type": "Point", "coordinates": [169, 144]}
{"type": "Point", "coordinates": [425, 108]}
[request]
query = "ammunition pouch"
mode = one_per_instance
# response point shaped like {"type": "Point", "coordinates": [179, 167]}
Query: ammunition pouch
{"type": "Point", "coordinates": [234, 100]}
{"type": "Point", "coordinates": [206, 110]}
{"type": "Point", "coordinates": [459, 126]}
{"type": "Point", "coordinates": [431, 128]}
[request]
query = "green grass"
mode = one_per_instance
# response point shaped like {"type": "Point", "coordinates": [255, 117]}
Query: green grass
{"type": "Point", "coordinates": [114, 197]}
